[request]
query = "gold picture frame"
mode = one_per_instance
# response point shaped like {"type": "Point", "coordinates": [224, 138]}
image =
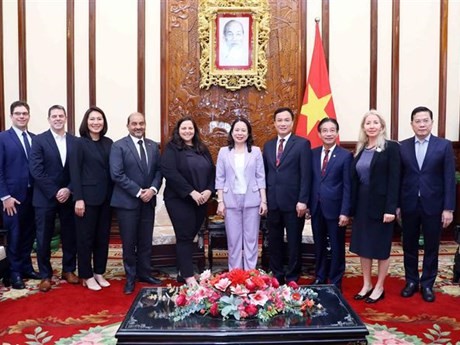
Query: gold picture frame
{"type": "Point", "coordinates": [233, 38]}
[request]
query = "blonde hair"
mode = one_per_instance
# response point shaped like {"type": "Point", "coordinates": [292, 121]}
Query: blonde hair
{"type": "Point", "coordinates": [363, 140]}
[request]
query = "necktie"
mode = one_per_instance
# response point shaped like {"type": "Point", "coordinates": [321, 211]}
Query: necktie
{"type": "Point", "coordinates": [280, 152]}
{"type": "Point", "coordinates": [325, 160]}
{"type": "Point", "coordinates": [26, 143]}
{"type": "Point", "coordinates": [143, 156]}
{"type": "Point", "coordinates": [420, 153]}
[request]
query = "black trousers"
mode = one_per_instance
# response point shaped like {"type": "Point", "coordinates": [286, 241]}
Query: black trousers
{"type": "Point", "coordinates": [45, 218]}
{"type": "Point", "coordinates": [93, 232]}
{"type": "Point", "coordinates": [328, 232]}
{"type": "Point", "coordinates": [430, 226]}
{"type": "Point", "coordinates": [277, 221]}
{"type": "Point", "coordinates": [136, 230]}
{"type": "Point", "coordinates": [186, 218]}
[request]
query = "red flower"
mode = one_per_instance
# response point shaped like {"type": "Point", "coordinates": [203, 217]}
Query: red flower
{"type": "Point", "coordinates": [293, 284]}
{"type": "Point", "coordinates": [250, 285]}
{"type": "Point", "coordinates": [214, 310]}
{"type": "Point", "coordinates": [181, 300]}
{"type": "Point", "coordinates": [238, 276]}
{"type": "Point", "coordinates": [296, 296]}
{"type": "Point", "coordinates": [275, 283]}
{"type": "Point", "coordinates": [259, 281]}
{"type": "Point", "coordinates": [251, 309]}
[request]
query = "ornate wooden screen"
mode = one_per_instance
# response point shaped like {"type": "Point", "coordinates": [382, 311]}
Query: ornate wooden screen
{"type": "Point", "coordinates": [216, 108]}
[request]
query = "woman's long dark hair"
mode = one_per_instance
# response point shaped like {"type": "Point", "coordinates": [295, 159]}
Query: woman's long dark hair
{"type": "Point", "coordinates": [249, 141]}
{"type": "Point", "coordinates": [197, 144]}
{"type": "Point", "coordinates": [84, 130]}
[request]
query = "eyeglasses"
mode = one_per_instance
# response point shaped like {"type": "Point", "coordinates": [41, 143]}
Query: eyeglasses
{"type": "Point", "coordinates": [18, 113]}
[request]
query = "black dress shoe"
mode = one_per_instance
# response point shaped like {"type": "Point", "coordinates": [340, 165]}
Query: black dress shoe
{"type": "Point", "coordinates": [317, 282]}
{"type": "Point", "coordinates": [6, 282]}
{"type": "Point", "coordinates": [409, 289]}
{"type": "Point", "coordinates": [359, 297]}
{"type": "Point", "coordinates": [129, 287]}
{"type": "Point", "coordinates": [371, 300]}
{"type": "Point", "coordinates": [31, 275]}
{"type": "Point", "coordinates": [150, 280]}
{"type": "Point", "coordinates": [428, 294]}
{"type": "Point", "coordinates": [17, 283]}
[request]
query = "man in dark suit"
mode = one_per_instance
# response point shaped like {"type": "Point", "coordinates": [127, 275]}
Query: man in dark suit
{"type": "Point", "coordinates": [287, 161]}
{"type": "Point", "coordinates": [135, 170]}
{"type": "Point", "coordinates": [427, 200]}
{"type": "Point", "coordinates": [49, 166]}
{"type": "Point", "coordinates": [16, 194]}
{"type": "Point", "coordinates": [330, 203]}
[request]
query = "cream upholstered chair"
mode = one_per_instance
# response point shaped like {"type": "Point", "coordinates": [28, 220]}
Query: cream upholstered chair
{"type": "Point", "coordinates": [164, 239]}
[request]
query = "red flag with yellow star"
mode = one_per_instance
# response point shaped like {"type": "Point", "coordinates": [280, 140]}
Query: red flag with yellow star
{"type": "Point", "coordinates": [317, 101]}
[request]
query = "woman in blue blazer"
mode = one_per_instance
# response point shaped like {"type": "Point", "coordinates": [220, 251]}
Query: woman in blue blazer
{"type": "Point", "coordinates": [92, 190]}
{"type": "Point", "coordinates": [375, 187]}
{"type": "Point", "coordinates": [240, 185]}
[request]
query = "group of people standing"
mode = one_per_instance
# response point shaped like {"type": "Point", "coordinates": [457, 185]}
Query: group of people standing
{"type": "Point", "coordinates": [413, 180]}
{"type": "Point", "coordinates": [77, 180]}
{"type": "Point", "coordinates": [80, 179]}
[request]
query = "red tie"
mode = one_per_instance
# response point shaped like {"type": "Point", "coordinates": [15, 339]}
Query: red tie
{"type": "Point", "coordinates": [325, 160]}
{"type": "Point", "coordinates": [280, 152]}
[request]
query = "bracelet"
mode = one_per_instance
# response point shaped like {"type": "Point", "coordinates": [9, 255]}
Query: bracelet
{"type": "Point", "coordinates": [219, 200]}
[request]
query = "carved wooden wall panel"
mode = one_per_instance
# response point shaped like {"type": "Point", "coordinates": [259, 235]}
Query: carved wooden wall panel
{"type": "Point", "coordinates": [216, 108]}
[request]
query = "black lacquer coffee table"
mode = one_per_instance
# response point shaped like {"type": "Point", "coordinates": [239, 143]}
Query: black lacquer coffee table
{"type": "Point", "coordinates": [148, 322]}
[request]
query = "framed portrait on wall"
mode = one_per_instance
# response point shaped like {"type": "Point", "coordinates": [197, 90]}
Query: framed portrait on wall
{"type": "Point", "coordinates": [233, 41]}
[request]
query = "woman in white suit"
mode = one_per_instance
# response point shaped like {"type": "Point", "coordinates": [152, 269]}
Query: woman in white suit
{"type": "Point", "coordinates": [240, 185]}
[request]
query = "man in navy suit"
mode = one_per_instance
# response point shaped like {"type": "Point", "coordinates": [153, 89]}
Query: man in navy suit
{"type": "Point", "coordinates": [49, 166]}
{"type": "Point", "coordinates": [427, 200]}
{"type": "Point", "coordinates": [16, 194]}
{"type": "Point", "coordinates": [330, 203]}
{"type": "Point", "coordinates": [135, 170]}
{"type": "Point", "coordinates": [287, 161]}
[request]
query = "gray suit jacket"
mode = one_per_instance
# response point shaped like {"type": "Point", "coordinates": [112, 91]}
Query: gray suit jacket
{"type": "Point", "coordinates": [127, 173]}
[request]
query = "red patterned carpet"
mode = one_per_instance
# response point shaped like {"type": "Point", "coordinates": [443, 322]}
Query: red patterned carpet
{"type": "Point", "coordinates": [70, 314]}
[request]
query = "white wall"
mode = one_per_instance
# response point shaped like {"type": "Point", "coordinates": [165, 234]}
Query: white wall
{"type": "Point", "coordinates": [116, 60]}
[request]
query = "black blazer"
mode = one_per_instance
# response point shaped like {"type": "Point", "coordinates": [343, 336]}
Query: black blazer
{"type": "Point", "coordinates": [90, 171]}
{"type": "Point", "coordinates": [290, 182]}
{"type": "Point", "coordinates": [46, 168]}
{"type": "Point", "coordinates": [384, 182]}
{"type": "Point", "coordinates": [175, 169]}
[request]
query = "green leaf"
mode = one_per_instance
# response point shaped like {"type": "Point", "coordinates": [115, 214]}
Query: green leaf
{"type": "Point", "coordinates": [436, 327]}
{"type": "Point", "coordinates": [47, 339]}
{"type": "Point", "coordinates": [38, 329]}
{"type": "Point", "coordinates": [30, 336]}
{"type": "Point", "coordinates": [41, 335]}
{"type": "Point", "coordinates": [429, 336]}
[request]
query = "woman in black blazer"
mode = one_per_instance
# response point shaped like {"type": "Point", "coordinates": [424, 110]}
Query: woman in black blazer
{"type": "Point", "coordinates": [188, 168]}
{"type": "Point", "coordinates": [92, 190]}
{"type": "Point", "coordinates": [375, 187]}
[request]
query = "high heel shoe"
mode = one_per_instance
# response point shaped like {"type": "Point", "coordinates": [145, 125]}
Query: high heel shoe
{"type": "Point", "coordinates": [191, 281]}
{"type": "Point", "coordinates": [359, 297]}
{"type": "Point", "coordinates": [101, 280]}
{"type": "Point", "coordinates": [91, 284]}
{"type": "Point", "coordinates": [372, 300]}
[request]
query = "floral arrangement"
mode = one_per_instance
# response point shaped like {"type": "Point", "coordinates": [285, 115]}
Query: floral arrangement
{"type": "Point", "coordinates": [242, 294]}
